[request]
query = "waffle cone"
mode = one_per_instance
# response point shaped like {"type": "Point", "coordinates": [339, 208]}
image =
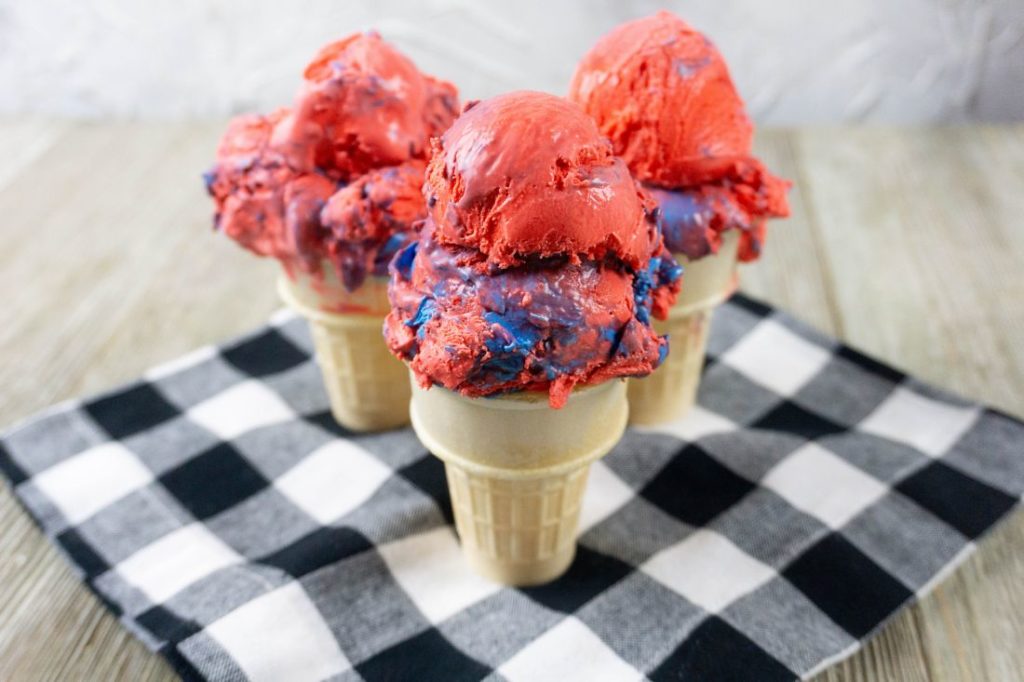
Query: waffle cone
{"type": "Point", "coordinates": [517, 470]}
{"type": "Point", "coordinates": [671, 390]}
{"type": "Point", "coordinates": [368, 387]}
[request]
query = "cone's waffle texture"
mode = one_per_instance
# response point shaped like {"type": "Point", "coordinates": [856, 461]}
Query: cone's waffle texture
{"type": "Point", "coordinates": [671, 390]}
{"type": "Point", "coordinates": [517, 531]}
{"type": "Point", "coordinates": [517, 471]}
{"type": "Point", "coordinates": [367, 386]}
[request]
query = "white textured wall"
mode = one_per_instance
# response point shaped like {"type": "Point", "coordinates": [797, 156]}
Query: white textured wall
{"type": "Point", "coordinates": [796, 61]}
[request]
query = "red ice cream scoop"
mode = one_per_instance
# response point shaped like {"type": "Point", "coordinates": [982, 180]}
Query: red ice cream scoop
{"type": "Point", "coordinates": [662, 93]}
{"type": "Point", "coordinates": [337, 177]}
{"type": "Point", "coordinates": [528, 174]}
{"type": "Point", "coordinates": [363, 105]}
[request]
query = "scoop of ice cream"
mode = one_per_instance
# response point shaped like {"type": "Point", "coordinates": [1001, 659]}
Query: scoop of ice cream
{"type": "Point", "coordinates": [692, 219]}
{"type": "Point", "coordinates": [663, 94]}
{"type": "Point", "coordinates": [261, 202]}
{"type": "Point", "coordinates": [339, 176]}
{"type": "Point", "coordinates": [544, 287]}
{"type": "Point", "coordinates": [363, 105]}
{"type": "Point", "coordinates": [542, 327]}
{"type": "Point", "coordinates": [527, 175]}
{"type": "Point", "coordinates": [370, 219]}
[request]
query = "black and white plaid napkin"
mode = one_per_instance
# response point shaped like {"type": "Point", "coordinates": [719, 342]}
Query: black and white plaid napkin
{"type": "Point", "coordinates": [219, 511]}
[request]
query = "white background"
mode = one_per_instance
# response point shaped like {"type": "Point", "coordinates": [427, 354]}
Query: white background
{"type": "Point", "coordinates": [796, 61]}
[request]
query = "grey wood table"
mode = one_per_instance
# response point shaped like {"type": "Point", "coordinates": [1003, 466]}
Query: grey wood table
{"type": "Point", "coordinates": [906, 243]}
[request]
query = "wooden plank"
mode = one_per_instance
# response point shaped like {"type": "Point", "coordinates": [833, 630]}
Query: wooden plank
{"type": "Point", "coordinates": [791, 273]}
{"type": "Point", "coordinates": [897, 242]}
{"type": "Point", "coordinates": [22, 141]}
{"type": "Point", "coordinates": [925, 243]}
{"type": "Point", "coordinates": [124, 250]}
{"type": "Point", "coordinates": [924, 252]}
{"type": "Point", "coordinates": [206, 291]}
{"type": "Point", "coordinates": [972, 627]}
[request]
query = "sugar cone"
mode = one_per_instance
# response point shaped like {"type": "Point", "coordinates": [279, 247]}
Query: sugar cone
{"type": "Point", "coordinates": [517, 470]}
{"type": "Point", "coordinates": [368, 387]}
{"type": "Point", "coordinates": [671, 390]}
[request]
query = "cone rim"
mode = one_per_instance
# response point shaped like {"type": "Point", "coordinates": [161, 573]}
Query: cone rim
{"type": "Point", "coordinates": [284, 290]}
{"type": "Point", "coordinates": [475, 468]}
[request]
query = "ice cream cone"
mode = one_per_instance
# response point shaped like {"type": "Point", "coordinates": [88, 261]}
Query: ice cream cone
{"type": "Point", "coordinates": [517, 470]}
{"type": "Point", "coordinates": [671, 390]}
{"type": "Point", "coordinates": [368, 387]}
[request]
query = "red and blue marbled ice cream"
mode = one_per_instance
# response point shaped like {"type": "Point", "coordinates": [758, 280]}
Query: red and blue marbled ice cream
{"type": "Point", "coordinates": [662, 93]}
{"type": "Point", "coordinates": [337, 177]}
{"type": "Point", "coordinates": [540, 260]}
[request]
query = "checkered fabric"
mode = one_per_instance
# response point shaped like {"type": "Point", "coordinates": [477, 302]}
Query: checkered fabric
{"type": "Point", "coordinates": [218, 510]}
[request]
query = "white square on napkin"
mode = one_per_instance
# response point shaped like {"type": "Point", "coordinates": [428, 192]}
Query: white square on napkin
{"type": "Point", "coordinates": [82, 485]}
{"type": "Point", "coordinates": [280, 636]}
{"type": "Point", "coordinates": [930, 426]}
{"type": "Point", "coordinates": [708, 569]}
{"type": "Point", "coordinates": [776, 358]}
{"type": "Point", "coordinates": [241, 408]}
{"type": "Point", "coordinates": [175, 561]}
{"type": "Point", "coordinates": [333, 480]}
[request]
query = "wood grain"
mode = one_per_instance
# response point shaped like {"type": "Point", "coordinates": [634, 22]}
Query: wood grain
{"type": "Point", "coordinates": [905, 243]}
